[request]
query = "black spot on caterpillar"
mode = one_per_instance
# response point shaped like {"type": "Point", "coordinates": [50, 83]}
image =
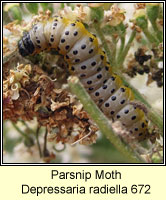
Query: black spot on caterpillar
{"type": "Point", "coordinates": [86, 60]}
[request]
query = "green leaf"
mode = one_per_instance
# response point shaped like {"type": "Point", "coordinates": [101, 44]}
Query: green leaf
{"type": "Point", "coordinates": [160, 15]}
{"type": "Point", "coordinates": [32, 7]}
{"type": "Point", "coordinates": [105, 152]}
{"type": "Point", "coordinates": [109, 30]}
{"type": "Point", "coordinates": [152, 12]}
{"type": "Point", "coordinates": [10, 143]}
{"type": "Point", "coordinates": [45, 6]}
{"type": "Point", "coordinates": [62, 5]}
{"type": "Point", "coordinates": [28, 142]}
{"type": "Point", "coordinates": [144, 41]}
{"type": "Point", "coordinates": [16, 13]}
{"type": "Point", "coordinates": [50, 8]}
{"type": "Point", "coordinates": [107, 6]}
{"type": "Point", "coordinates": [97, 14]}
{"type": "Point", "coordinates": [86, 26]}
{"type": "Point", "coordinates": [121, 29]}
{"type": "Point", "coordinates": [142, 22]}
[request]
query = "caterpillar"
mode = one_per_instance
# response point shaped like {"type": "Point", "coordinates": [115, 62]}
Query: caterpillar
{"type": "Point", "coordinates": [87, 60]}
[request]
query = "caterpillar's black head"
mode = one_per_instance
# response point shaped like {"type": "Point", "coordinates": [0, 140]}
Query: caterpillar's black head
{"type": "Point", "coordinates": [25, 45]}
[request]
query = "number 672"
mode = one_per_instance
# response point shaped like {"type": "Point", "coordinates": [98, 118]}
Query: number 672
{"type": "Point", "coordinates": [140, 189]}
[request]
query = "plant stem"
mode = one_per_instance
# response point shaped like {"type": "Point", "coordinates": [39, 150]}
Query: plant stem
{"type": "Point", "coordinates": [26, 125]}
{"type": "Point", "coordinates": [20, 131]}
{"type": "Point", "coordinates": [104, 42]}
{"type": "Point", "coordinates": [156, 119]}
{"type": "Point", "coordinates": [61, 150]}
{"type": "Point", "coordinates": [114, 50]}
{"type": "Point", "coordinates": [9, 57]}
{"type": "Point", "coordinates": [121, 47]}
{"type": "Point", "coordinates": [126, 49]}
{"type": "Point", "coordinates": [28, 140]}
{"type": "Point", "coordinates": [102, 122]}
{"type": "Point", "coordinates": [152, 115]}
{"type": "Point", "coordinates": [37, 139]}
{"type": "Point", "coordinates": [158, 32]}
{"type": "Point", "coordinates": [45, 151]}
{"type": "Point", "coordinates": [150, 37]}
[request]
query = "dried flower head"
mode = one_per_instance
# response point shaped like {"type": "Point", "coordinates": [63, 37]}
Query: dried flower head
{"type": "Point", "coordinates": [95, 5]}
{"type": "Point", "coordinates": [16, 79]}
{"type": "Point", "coordinates": [139, 13]}
{"type": "Point", "coordinates": [140, 6]}
{"type": "Point", "coordinates": [114, 16]}
{"type": "Point", "coordinates": [153, 4]}
{"type": "Point", "coordinates": [29, 92]}
{"type": "Point", "coordinates": [10, 5]}
{"type": "Point", "coordinates": [14, 28]}
{"type": "Point", "coordinates": [80, 12]}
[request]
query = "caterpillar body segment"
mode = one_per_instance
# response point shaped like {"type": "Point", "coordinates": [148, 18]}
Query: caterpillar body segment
{"type": "Point", "coordinates": [86, 60]}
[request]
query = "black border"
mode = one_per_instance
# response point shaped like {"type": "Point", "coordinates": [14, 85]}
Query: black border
{"type": "Point", "coordinates": [81, 164]}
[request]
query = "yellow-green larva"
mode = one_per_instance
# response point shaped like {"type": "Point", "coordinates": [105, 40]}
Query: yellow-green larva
{"type": "Point", "coordinates": [86, 60]}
